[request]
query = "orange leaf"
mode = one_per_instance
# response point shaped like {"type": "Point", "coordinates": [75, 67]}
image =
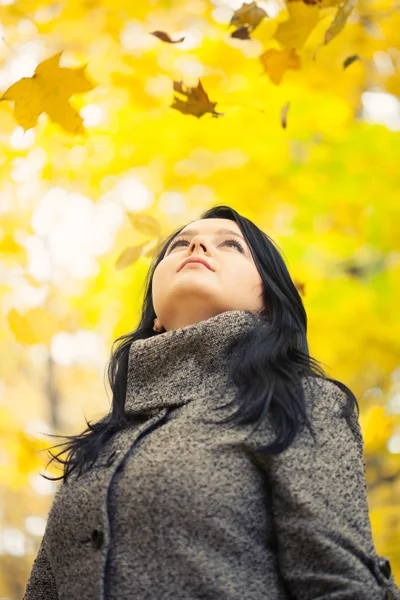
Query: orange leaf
{"type": "Point", "coordinates": [198, 102]}
{"type": "Point", "coordinates": [276, 62]}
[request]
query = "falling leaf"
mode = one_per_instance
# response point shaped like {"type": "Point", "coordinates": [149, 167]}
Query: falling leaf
{"type": "Point", "coordinates": [153, 248]}
{"type": "Point", "coordinates": [49, 90]}
{"type": "Point", "coordinates": [129, 256]}
{"type": "Point", "coordinates": [145, 224]}
{"type": "Point", "coordinates": [284, 112]}
{"type": "Point", "coordinates": [165, 37]}
{"type": "Point", "coordinates": [340, 20]}
{"type": "Point", "coordinates": [349, 60]}
{"type": "Point", "coordinates": [338, 23]}
{"type": "Point", "coordinates": [249, 14]}
{"type": "Point", "coordinates": [198, 102]}
{"type": "Point", "coordinates": [276, 62]}
{"type": "Point", "coordinates": [242, 33]}
{"type": "Point", "coordinates": [294, 32]}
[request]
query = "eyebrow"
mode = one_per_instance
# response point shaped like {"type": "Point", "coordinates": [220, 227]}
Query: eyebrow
{"type": "Point", "coordinates": [218, 232]}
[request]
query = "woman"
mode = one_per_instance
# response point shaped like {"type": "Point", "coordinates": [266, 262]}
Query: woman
{"type": "Point", "coordinates": [160, 500]}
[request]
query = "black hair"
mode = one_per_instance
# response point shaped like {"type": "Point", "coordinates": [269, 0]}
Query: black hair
{"type": "Point", "coordinates": [268, 363]}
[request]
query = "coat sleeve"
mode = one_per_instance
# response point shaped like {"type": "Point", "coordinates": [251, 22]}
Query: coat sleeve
{"type": "Point", "coordinates": [320, 510]}
{"type": "Point", "coordinates": [41, 584]}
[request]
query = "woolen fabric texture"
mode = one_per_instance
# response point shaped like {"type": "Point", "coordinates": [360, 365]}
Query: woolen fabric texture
{"type": "Point", "coordinates": [172, 510]}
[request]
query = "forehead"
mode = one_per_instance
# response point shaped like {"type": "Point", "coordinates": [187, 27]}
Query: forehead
{"type": "Point", "coordinates": [211, 225]}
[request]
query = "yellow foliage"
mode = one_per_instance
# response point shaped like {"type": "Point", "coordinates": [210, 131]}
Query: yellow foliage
{"type": "Point", "coordinates": [323, 183]}
{"type": "Point", "coordinates": [294, 32]}
{"type": "Point", "coordinates": [35, 327]}
{"type": "Point", "coordinates": [21, 454]}
{"type": "Point", "coordinates": [377, 427]}
{"type": "Point", "coordinates": [276, 62]}
{"type": "Point", "coordinates": [49, 90]}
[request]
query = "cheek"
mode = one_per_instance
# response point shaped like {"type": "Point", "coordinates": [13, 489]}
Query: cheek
{"type": "Point", "coordinates": [244, 274]}
{"type": "Point", "coordinates": [247, 282]}
{"type": "Point", "coordinates": [157, 281]}
{"type": "Point", "coordinates": [163, 275]}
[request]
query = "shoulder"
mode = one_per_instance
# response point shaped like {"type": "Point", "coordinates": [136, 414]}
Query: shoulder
{"type": "Point", "coordinates": [331, 406]}
{"type": "Point", "coordinates": [325, 396]}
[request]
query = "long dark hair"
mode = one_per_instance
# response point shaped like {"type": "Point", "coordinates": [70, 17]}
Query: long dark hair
{"type": "Point", "coordinates": [268, 363]}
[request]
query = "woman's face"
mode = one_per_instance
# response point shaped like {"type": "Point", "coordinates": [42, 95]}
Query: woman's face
{"type": "Point", "coordinates": [195, 293]}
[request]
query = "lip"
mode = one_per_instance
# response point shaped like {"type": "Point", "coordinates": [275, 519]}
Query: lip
{"type": "Point", "coordinates": [195, 260]}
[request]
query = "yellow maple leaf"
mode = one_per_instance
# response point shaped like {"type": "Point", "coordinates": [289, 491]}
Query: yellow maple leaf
{"type": "Point", "coordinates": [294, 32]}
{"type": "Point", "coordinates": [49, 90]}
{"type": "Point", "coordinates": [276, 62]}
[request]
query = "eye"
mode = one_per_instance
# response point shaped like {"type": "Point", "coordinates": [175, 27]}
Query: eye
{"type": "Point", "coordinates": [236, 243]}
{"type": "Point", "coordinates": [230, 241]}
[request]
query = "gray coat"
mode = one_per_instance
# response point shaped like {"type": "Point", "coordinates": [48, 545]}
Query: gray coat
{"type": "Point", "coordinates": [172, 511]}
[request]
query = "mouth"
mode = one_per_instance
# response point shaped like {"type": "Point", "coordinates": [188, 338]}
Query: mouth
{"type": "Point", "coordinates": [196, 262]}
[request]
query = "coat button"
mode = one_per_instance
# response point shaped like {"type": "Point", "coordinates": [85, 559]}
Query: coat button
{"type": "Point", "coordinates": [384, 566]}
{"type": "Point", "coordinates": [97, 538]}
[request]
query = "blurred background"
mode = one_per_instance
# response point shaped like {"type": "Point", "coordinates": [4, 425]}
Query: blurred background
{"type": "Point", "coordinates": [139, 117]}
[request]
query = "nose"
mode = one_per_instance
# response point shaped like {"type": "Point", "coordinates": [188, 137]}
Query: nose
{"type": "Point", "coordinates": [194, 243]}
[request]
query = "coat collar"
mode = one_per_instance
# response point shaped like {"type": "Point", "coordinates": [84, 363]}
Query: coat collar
{"type": "Point", "coordinates": [180, 365]}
